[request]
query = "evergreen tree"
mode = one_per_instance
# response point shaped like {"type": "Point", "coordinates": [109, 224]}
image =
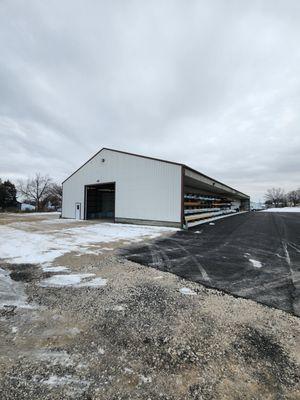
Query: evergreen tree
{"type": "Point", "coordinates": [8, 195]}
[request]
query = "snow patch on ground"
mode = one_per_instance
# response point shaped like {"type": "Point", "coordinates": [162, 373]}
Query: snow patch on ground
{"type": "Point", "coordinates": [101, 350]}
{"type": "Point", "coordinates": [118, 308]}
{"type": "Point", "coordinates": [187, 291]}
{"type": "Point", "coordinates": [283, 209]}
{"type": "Point", "coordinates": [128, 370]}
{"type": "Point", "coordinates": [72, 331]}
{"type": "Point", "coordinates": [55, 380]}
{"type": "Point", "coordinates": [32, 214]}
{"type": "Point", "coordinates": [59, 268]}
{"type": "Point", "coordinates": [54, 357]}
{"type": "Point", "coordinates": [96, 282]}
{"type": "Point", "coordinates": [64, 280]}
{"type": "Point", "coordinates": [11, 292]}
{"type": "Point", "coordinates": [74, 280]}
{"type": "Point", "coordinates": [255, 263]}
{"type": "Point", "coordinates": [59, 221]}
{"type": "Point", "coordinates": [145, 379]}
{"type": "Point", "coordinates": [20, 246]}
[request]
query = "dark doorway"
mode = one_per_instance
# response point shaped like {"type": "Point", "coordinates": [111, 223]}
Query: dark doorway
{"type": "Point", "coordinates": [100, 201]}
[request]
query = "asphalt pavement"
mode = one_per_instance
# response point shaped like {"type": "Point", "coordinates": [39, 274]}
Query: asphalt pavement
{"type": "Point", "coordinates": [253, 255]}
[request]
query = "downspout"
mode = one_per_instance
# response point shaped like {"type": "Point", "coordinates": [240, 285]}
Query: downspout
{"type": "Point", "coordinates": [182, 198]}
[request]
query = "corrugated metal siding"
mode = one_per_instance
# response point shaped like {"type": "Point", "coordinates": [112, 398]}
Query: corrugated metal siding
{"type": "Point", "coordinates": [145, 189]}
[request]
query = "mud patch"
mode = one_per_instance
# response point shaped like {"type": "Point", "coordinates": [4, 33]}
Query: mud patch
{"type": "Point", "coordinates": [24, 272]}
{"type": "Point", "coordinates": [8, 311]}
{"type": "Point", "coordinates": [257, 347]}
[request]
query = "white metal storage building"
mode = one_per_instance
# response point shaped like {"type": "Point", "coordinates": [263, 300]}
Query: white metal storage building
{"type": "Point", "coordinates": [131, 188]}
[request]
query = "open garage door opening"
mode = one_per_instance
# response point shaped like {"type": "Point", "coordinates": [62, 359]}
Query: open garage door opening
{"type": "Point", "coordinates": [100, 201]}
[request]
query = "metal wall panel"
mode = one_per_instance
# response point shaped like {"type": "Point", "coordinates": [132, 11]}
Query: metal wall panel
{"type": "Point", "coordinates": [145, 189]}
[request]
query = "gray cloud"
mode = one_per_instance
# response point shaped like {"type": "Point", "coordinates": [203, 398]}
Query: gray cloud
{"type": "Point", "coordinates": [213, 84]}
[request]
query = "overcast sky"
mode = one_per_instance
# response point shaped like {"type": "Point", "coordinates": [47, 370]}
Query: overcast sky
{"type": "Point", "coordinates": [213, 84]}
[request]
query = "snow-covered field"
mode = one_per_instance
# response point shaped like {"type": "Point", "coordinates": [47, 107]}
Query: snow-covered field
{"type": "Point", "coordinates": [283, 209]}
{"type": "Point", "coordinates": [42, 241]}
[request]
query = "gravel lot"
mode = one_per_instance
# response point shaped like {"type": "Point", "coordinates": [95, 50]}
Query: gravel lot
{"type": "Point", "coordinates": [141, 334]}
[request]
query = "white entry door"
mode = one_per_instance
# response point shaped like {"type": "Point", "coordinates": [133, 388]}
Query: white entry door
{"type": "Point", "coordinates": [77, 210]}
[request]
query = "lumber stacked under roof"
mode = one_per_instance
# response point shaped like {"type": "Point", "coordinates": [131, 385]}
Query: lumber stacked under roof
{"type": "Point", "coordinates": [199, 207]}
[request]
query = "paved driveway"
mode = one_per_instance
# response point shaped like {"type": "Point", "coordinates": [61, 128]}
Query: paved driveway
{"type": "Point", "coordinates": [253, 255]}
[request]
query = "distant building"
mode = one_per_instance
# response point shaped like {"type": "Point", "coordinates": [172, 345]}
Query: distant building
{"type": "Point", "coordinates": [256, 206]}
{"type": "Point", "coordinates": [26, 207]}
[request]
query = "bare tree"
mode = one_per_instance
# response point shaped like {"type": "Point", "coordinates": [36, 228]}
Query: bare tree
{"type": "Point", "coordinates": [35, 189]}
{"type": "Point", "coordinates": [55, 195]}
{"type": "Point", "coordinates": [275, 196]}
{"type": "Point", "coordinates": [294, 197]}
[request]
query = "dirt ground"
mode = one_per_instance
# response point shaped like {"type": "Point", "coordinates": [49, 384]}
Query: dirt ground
{"type": "Point", "coordinates": [144, 334]}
